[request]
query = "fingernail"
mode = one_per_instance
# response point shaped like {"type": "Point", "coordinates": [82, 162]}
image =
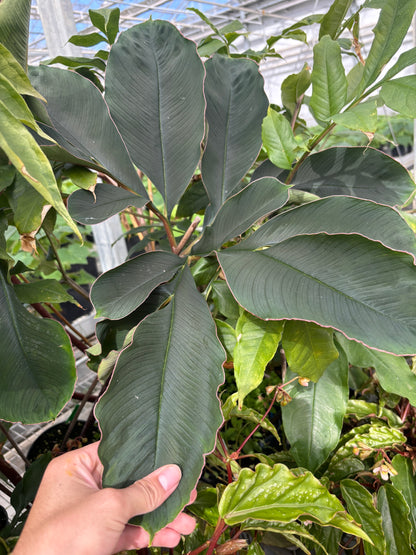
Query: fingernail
{"type": "Point", "coordinates": [169, 477]}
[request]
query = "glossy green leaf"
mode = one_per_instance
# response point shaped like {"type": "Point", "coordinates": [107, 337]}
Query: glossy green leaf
{"type": "Point", "coordinates": [362, 117]}
{"type": "Point", "coordinates": [313, 419]}
{"type": "Point", "coordinates": [395, 520]}
{"type": "Point", "coordinates": [118, 292]}
{"type": "Point", "coordinates": [81, 177]}
{"type": "Point", "coordinates": [230, 409]}
{"type": "Point", "coordinates": [309, 348]}
{"type": "Point", "coordinates": [277, 494]}
{"type": "Point", "coordinates": [14, 28]}
{"type": "Point", "coordinates": [362, 172]}
{"type": "Point", "coordinates": [393, 23]}
{"type": "Point", "coordinates": [31, 388]}
{"type": "Point", "coordinates": [258, 199]}
{"type": "Point", "coordinates": [363, 409]}
{"type": "Point", "coordinates": [82, 124]}
{"type": "Point", "coordinates": [278, 140]}
{"type": "Point", "coordinates": [329, 84]}
{"type": "Point", "coordinates": [257, 342]}
{"type": "Point", "coordinates": [328, 537]}
{"type": "Point", "coordinates": [205, 506]}
{"type": "Point", "coordinates": [400, 95]}
{"type": "Point", "coordinates": [43, 291]}
{"type": "Point", "coordinates": [224, 301]}
{"type": "Point", "coordinates": [293, 87]}
{"type": "Point", "coordinates": [154, 403]}
{"type": "Point", "coordinates": [360, 505]}
{"type": "Point", "coordinates": [336, 281]}
{"type": "Point", "coordinates": [157, 89]}
{"type": "Point", "coordinates": [236, 106]}
{"type": "Point", "coordinates": [393, 373]}
{"type": "Point", "coordinates": [89, 207]}
{"type": "Point", "coordinates": [29, 160]}
{"type": "Point", "coordinates": [366, 439]}
{"type": "Point", "coordinates": [106, 20]}
{"type": "Point", "coordinates": [405, 482]}
{"type": "Point", "coordinates": [27, 205]}
{"type": "Point", "coordinates": [333, 19]}
{"type": "Point", "coordinates": [337, 215]}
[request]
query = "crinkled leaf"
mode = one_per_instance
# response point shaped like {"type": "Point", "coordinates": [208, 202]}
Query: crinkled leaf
{"type": "Point", "coordinates": [329, 84]}
{"type": "Point", "coordinates": [242, 210]}
{"type": "Point", "coordinates": [341, 281]}
{"type": "Point", "coordinates": [393, 373]}
{"type": "Point", "coordinates": [395, 520]}
{"type": "Point", "coordinates": [360, 505]}
{"type": "Point", "coordinates": [400, 95]}
{"type": "Point", "coordinates": [236, 106]}
{"type": "Point", "coordinates": [82, 124]}
{"type": "Point", "coordinates": [31, 388]}
{"type": "Point", "coordinates": [257, 342]}
{"type": "Point", "coordinates": [313, 419]}
{"type": "Point", "coordinates": [334, 215]}
{"type": "Point", "coordinates": [90, 208]}
{"type": "Point", "coordinates": [154, 403]}
{"type": "Point", "coordinates": [277, 494]}
{"type": "Point", "coordinates": [118, 292]}
{"type": "Point", "coordinates": [154, 90]}
{"type": "Point", "coordinates": [405, 482]}
{"type": "Point", "coordinates": [278, 140]}
{"type": "Point", "coordinates": [309, 348]}
{"type": "Point", "coordinates": [391, 28]}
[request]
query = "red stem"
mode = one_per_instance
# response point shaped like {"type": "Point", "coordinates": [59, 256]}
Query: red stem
{"type": "Point", "coordinates": [219, 529]}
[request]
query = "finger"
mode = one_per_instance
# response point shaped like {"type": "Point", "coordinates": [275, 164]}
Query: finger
{"type": "Point", "coordinates": [166, 538]}
{"type": "Point", "coordinates": [147, 494]}
{"type": "Point", "coordinates": [183, 524]}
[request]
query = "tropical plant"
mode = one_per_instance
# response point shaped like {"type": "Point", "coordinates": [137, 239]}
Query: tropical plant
{"type": "Point", "coordinates": [291, 266]}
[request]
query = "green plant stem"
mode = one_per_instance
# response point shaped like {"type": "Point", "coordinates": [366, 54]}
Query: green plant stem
{"type": "Point", "coordinates": [166, 225]}
{"type": "Point", "coordinates": [314, 143]}
{"type": "Point", "coordinates": [5, 546]}
{"type": "Point", "coordinates": [219, 530]}
{"type": "Point", "coordinates": [6, 433]}
{"type": "Point", "coordinates": [227, 459]}
{"type": "Point", "coordinates": [69, 281]}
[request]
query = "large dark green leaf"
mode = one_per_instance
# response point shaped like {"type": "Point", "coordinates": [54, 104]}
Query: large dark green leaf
{"type": "Point", "coordinates": [150, 406]}
{"type": "Point", "coordinates": [405, 482]}
{"type": "Point", "coordinates": [236, 106]}
{"type": "Point", "coordinates": [345, 282]}
{"type": "Point", "coordinates": [119, 291]}
{"type": "Point", "coordinates": [329, 84]}
{"type": "Point", "coordinates": [82, 123]}
{"type": "Point", "coordinates": [14, 27]}
{"type": "Point", "coordinates": [394, 21]}
{"type": "Point", "coordinates": [277, 494]}
{"type": "Point", "coordinates": [37, 373]}
{"type": "Point", "coordinates": [337, 215]}
{"type": "Point", "coordinates": [313, 419]}
{"type": "Point", "coordinates": [89, 207]}
{"type": "Point", "coordinates": [154, 90]}
{"type": "Point", "coordinates": [395, 520]}
{"type": "Point", "coordinates": [235, 216]}
{"type": "Point", "coordinates": [360, 172]}
{"type": "Point", "coordinates": [361, 507]}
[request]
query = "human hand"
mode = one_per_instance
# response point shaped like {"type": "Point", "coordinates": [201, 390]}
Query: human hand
{"type": "Point", "coordinates": [73, 515]}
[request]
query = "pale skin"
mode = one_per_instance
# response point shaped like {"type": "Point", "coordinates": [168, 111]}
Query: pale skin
{"type": "Point", "coordinates": [73, 514]}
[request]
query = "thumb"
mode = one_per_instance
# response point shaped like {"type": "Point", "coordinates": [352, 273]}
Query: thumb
{"type": "Point", "coordinates": [150, 492]}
